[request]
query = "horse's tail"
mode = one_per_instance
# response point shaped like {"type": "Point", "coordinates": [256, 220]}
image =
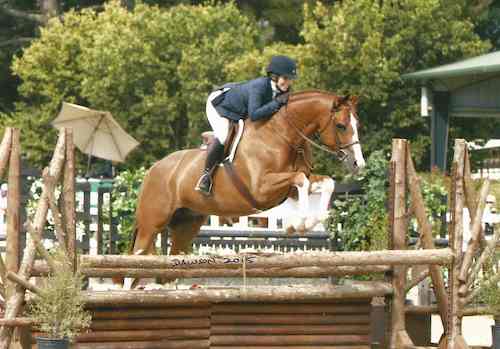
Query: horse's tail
{"type": "Point", "coordinates": [134, 237]}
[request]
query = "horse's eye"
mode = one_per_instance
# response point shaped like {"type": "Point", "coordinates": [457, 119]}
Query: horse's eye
{"type": "Point", "coordinates": [340, 127]}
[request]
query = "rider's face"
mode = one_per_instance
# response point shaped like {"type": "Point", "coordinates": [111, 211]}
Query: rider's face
{"type": "Point", "coordinates": [284, 83]}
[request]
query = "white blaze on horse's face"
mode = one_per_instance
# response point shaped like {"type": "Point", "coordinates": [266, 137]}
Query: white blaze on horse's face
{"type": "Point", "coordinates": [354, 160]}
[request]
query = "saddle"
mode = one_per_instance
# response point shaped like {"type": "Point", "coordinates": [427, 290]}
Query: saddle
{"type": "Point", "coordinates": [233, 139]}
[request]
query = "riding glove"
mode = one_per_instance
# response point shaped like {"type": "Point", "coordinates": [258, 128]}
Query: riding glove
{"type": "Point", "coordinates": [282, 98]}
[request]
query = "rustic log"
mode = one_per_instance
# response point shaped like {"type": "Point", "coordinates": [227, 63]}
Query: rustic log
{"type": "Point", "coordinates": [455, 339]}
{"type": "Point", "coordinates": [58, 224]}
{"type": "Point", "coordinates": [305, 319]}
{"type": "Point", "coordinates": [489, 249]}
{"type": "Point", "coordinates": [14, 303]}
{"type": "Point", "coordinates": [334, 346]}
{"type": "Point", "coordinates": [287, 340]}
{"type": "Point", "coordinates": [295, 260]}
{"type": "Point", "coordinates": [143, 335]}
{"type": "Point", "coordinates": [471, 195]}
{"type": "Point", "coordinates": [150, 324]}
{"type": "Point", "coordinates": [3, 277]}
{"type": "Point", "coordinates": [473, 244]}
{"type": "Point", "coordinates": [18, 321]}
{"type": "Point", "coordinates": [301, 272]}
{"type": "Point", "coordinates": [253, 294]}
{"type": "Point", "coordinates": [162, 344]}
{"type": "Point", "coordinates": [433, 309]}
{"type": "Point", "coordinates": [13, 210]}
{"type": "Point", "coordinates": [417, 279]}
{"type": "Point", "coordinates": [37, 239]}
{"type": "Point", "coordinates": [426, 239]}
{"type": "Point", "coordinates": [144, 313]}
{"type": "Point", "coordinates": [288, 329]}
{"type": "Point", "coordinates": [23, 282]}
{"type": "Point", "coordinates": [399, 227]}
{"type": "Point", "coordinates": [69, 197]}
{"type": "Point", "coordinates": [5, 148]}
{"type": "Point", "coordinates": [361, 307]}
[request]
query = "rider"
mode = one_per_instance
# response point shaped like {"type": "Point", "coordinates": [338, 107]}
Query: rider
{"type": "Point", "coordinates": [258, 99]}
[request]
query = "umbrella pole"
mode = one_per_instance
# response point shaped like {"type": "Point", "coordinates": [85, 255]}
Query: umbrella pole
{"type": "Point", "coordinates": [87, 174]}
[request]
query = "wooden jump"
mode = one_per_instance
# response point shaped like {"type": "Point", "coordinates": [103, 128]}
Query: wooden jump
{"type": "Point", "coordinates": [327, 316]}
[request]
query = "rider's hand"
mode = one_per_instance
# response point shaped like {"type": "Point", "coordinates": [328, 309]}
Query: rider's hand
{"type": "Point", "coordinates": [283, 98]}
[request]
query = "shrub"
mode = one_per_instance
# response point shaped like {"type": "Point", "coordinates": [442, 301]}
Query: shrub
{"type": "Point", "coordinates": [58, 310]}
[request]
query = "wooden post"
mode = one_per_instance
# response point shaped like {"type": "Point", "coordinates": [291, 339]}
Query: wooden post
{"type": "Point", "coordinates": [418, 278]}
{"type": "Point", "coordinates": [426, 239]}
{"type": "Point", "coordinates": [454, 337]}
{"type": "Point", "coordinates": [473, 244]}
{"type": "Point", "coordinates": [5, 149]}
{"type": "Point", "coordinates": [13, 209]}
{"type": "Point", "coordinates": [471, 196]}
{"type": "Point", "coordinates": [15, 302]}
{"type": "Point", "coordinates": [69, 196]}
{"type": "Point", "coordinates": [399, 337]}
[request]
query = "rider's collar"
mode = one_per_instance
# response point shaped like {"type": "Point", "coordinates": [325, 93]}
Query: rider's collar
{"type": "Point", "coordinates": [276, 90]}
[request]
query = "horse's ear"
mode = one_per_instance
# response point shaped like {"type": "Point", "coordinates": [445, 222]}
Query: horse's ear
{"type": "Point", "coordinates": [354, 100]}
{"type": "Point", "coordinates": [342, 99]}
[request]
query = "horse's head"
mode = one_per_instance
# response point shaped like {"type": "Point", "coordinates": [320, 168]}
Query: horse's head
{"type": "Point", "coordinates": [338, 125]}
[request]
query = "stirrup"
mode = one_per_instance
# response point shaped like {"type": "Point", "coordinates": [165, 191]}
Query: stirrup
{"type": "Point", "coordinates": [202, 190]}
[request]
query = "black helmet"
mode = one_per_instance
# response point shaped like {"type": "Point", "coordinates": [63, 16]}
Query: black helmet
{"type": "Point", "coordinates": [283, 66]}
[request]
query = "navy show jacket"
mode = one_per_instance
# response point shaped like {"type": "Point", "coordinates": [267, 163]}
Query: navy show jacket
{"type": "Point", "coordinates": [252, 99]}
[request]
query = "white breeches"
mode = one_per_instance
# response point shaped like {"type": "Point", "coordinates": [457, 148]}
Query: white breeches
{"type": "Point", "coordinates": [219, 124]}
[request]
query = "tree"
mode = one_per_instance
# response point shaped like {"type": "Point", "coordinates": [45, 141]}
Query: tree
{"type": "Point", "coordinates": [152, 68]}
{"type": "Point", "coordinates": [363, 46]}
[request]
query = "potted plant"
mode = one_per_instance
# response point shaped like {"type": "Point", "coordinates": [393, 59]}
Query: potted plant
{"type": "Point", "coordinates": [58, 310]}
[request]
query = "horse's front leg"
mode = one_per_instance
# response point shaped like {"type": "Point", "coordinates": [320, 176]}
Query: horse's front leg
{"type": "Point", "coordinates": [276, 182]}
{"type": "Point", "coordinates": [325, 186]}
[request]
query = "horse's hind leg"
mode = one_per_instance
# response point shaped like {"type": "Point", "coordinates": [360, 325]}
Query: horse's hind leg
{"type": "Point", "coordinates": [148, 227]}
{"type": "Point", "coordinates": [183, 232]}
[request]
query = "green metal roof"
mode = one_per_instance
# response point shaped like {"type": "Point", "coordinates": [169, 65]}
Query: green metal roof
{"type": "Point", "coordinates": [485, 64]}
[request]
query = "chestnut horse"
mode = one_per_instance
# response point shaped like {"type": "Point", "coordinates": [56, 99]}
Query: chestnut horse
{"type": "Point", "coordinates": [266, 161]}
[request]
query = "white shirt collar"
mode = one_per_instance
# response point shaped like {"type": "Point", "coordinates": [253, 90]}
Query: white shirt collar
{"type": "Point", "coordinates": [275, 88]}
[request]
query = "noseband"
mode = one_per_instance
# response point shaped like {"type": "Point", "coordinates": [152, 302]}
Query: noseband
{"type": "Point", "coordinates": [339, 152]}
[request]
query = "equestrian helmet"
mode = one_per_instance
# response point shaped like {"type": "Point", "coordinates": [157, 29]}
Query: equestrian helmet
{"type": "Point", "coordinates": [283, 66]}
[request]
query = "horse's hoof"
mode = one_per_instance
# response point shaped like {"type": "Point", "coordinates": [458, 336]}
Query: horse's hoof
{"type": "Point", "coordinates": [127, 284]}
{"type": "Point", "coordinates": [301, 229]}
{"type": "Point", "coordinates": [290, 230]}
{"type": "Point", "coordinates": [311, 223]}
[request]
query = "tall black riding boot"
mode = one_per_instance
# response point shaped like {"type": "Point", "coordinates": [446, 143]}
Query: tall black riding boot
{"type": "Point", "coordinates": [215, 152]}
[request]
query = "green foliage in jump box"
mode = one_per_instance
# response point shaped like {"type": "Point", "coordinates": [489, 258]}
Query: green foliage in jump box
{"type": "Point", "coordinates": [58, 310]}
{"type": "Point", "coordinates": [126, 188]}
{"type": "Point", "coordinates": [361, 222]}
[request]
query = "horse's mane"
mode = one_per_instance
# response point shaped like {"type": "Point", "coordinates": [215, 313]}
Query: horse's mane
{"type": "Point", "coordinates": [307, 93]}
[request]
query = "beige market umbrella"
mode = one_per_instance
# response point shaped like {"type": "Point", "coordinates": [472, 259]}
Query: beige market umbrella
{"type": "Point", "coordinates": [95, 132]}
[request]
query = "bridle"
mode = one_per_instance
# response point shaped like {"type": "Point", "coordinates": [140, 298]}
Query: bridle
{"type": "Point", "coordinates": [339, 151]}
